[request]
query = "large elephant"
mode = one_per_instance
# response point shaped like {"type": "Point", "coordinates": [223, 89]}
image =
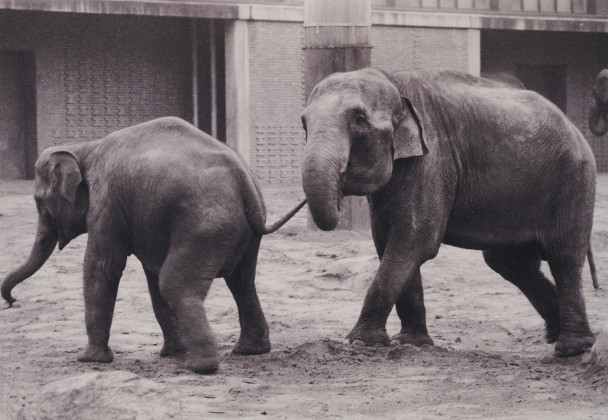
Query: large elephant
{"type": "Point", "coordinates": [598, 115]}
{"type": "Point", "coordinates": [183, 203]}
{"type": "Point", "coordinates": [446, 157]}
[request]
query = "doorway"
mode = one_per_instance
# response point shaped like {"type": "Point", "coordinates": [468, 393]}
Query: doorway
{"type": "Point", "coordinates": [211, 78]}
{"type": "Point", "coordinates": [548, 80]}
{"type": "Point", "coordinates": [18, 145]}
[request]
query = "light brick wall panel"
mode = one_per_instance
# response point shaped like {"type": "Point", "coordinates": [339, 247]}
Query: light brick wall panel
{"type": "Point", "coordinates": [406, 48]}
{"type": "Point", "coordinates": [277, 101]}
{"type": "Point", "coordinates": [97, 74]}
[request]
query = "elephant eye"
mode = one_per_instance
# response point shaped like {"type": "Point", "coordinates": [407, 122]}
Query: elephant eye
{"type": "Point", "coordinates": [361, 124]}
{"type": "Point", "coordinates": [304, 124]}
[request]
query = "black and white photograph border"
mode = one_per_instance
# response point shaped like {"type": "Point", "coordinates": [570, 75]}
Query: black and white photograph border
{"type": "Point", "coordinates": [243, 72]}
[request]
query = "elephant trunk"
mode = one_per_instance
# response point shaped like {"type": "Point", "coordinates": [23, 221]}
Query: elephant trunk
{"type": "Point", "coordinates": [322, 169]}
{"type": "Point", "coordinates": [598, 118]}
{"type": "Point", "coordinates": [46, 239]}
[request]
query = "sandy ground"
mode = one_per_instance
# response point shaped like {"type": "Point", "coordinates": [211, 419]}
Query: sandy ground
{"type": "Point", "coordinates": [490, 359]}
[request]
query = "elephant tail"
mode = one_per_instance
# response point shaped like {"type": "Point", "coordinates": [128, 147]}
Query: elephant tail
{"type": "Point", "coordinates": [276, 225]}
{"type": "Point", "coordinates": [255, 210]}
{"type": "Point", "coordinates": [592, 267]}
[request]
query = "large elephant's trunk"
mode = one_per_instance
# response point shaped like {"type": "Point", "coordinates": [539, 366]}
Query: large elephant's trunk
{"type": "Point", "coordinates": [322, 169]}
{"type": "Point", "coordinates": [598, 116]}
{"type": "Point", "coordinates": [46, 239]}
{"type": "Point", "coordinates": [598, 119]}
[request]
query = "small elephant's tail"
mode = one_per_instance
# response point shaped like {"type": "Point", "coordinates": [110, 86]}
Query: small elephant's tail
{"type": "Point", "coordinates": [276, 225]}
{"type": "Point", "coordinates": [592, 267]}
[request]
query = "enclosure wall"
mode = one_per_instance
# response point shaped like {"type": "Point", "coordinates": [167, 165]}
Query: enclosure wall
{"type": "Point", "coordinates": [96, 74]}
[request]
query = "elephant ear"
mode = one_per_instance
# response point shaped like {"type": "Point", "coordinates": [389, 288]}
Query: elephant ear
{"type": "Point", "coordinates": [65, 174]}
{"type": "Point", "coordinates": [408, 139]}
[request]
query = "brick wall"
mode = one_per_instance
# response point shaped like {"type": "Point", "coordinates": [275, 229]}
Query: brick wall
{"type": "Point", "coordinates": [406, 48]}
{"type": "Point", "coordinates": [277, 100]}
{"type": "Point", "coordinates": [277, 84]}
{"type": "Point", "coordinates": [97, 74]}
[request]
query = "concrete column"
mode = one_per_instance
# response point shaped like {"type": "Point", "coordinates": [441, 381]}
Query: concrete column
{"type": "Point", "coordinates": [213, 65]}
{"type": "Point", "coordinates": [237, 87]}
{"type": "Point", "coordinates": [337, 38]}
{"type": "Point", "coordinates": [474, 52]}
{"type": "Point", "coordinates": [194, 36]}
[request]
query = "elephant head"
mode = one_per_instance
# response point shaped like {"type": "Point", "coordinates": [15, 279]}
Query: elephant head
{"type": "Point", "coordinates": [598, 116]}
{"type": "Point", "coordinates": [356, 124]}
{"type": "Point", "coordinates": [62, 203]}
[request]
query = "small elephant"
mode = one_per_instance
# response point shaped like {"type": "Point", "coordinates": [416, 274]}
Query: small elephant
{"type": "Point", "coordinates": [598, 115]}
{"type": "Point", "coordinates": [183, 203]}
{"type": "Point", "coordinates": [446, 157]}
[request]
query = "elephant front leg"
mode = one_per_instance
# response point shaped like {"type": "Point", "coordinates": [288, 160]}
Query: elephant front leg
{"type": "Point", "coordinates": [102, 272]}
{"type": "Point", "coordinates": [392, 277]}
{"type": "Point", "coordinates": [412, 313]}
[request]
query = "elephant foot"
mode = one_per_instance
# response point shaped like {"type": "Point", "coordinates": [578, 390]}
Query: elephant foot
{"type": "Point", "coordinates": [171, 348]}
{"type": "Point", "coordinates": [368, 337]}
{"type": "Point", "coordinates": [248, 345]}
{"type": "Point", "coordinates": [414, 338]}
{"type": "Point", "coordinates": [552, 332]}
{"type": "Point", "coordinates": [99, 354]}
{"type": "Point", "coordinates": [203, 363]}
{"type": "Point", "coordinates": [573, 344]}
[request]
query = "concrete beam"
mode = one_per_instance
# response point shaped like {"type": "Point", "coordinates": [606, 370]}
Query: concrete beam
{"type": "Point", "coordinates": [285, 13]}
{"type": "Point", "coordinates": [128, 7]}
{"type": "Point", "coordinates": [429, 19]}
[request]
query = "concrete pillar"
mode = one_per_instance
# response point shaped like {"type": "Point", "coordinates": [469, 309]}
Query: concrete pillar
{"type": "Point", "coordinates": [337, 38]}
{"type": "Point", "coordinates": [474, 52]}
{"type": "Point", "coordinates": [194, 52]}
{"type": "Point", "coordinates": [237, 87]}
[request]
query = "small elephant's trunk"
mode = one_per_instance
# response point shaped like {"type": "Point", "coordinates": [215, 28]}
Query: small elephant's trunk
{"type": "Point", "coordinates": [46, 239]}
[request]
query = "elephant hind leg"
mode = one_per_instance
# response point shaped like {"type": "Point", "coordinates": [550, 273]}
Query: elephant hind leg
{"type": "Point", "coordinates": [412, 313]}
{"type": "Point", "coordinates": [254, 338]}
{"type": "Point", "coordinates": [521, 266]}
{"type": "Point", "coordinates": [184, 281]}
{"type": "Point", "coordinates": [575, 336]}
{"type": "Point", "coordinates": [165, 316]}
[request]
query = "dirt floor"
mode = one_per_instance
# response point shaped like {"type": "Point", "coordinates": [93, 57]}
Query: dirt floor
{"type": "Point", "coordinates": [490, 359]}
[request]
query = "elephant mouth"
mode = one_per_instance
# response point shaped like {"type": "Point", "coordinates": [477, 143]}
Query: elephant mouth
{"type": "Point", "coordinates": [63, 238]}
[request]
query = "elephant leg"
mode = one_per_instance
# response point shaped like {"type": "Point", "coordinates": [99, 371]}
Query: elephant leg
{"type": "Point", "coordinates": [165, 317]}
{"type": "Point", "coordinates": [575, 336]}
{"type": "Point", "coordinates": [254, 338]}
{"type": "Point", "coordinates": [412, 313]}
{"type": "Point", "coordinates": [184, 281]}
{"type": "Point", "coordinates": [410, 304]}
{"type": "Point", "coordinates": [521, 266]}
{"type": "Point", "coordinates": [104, 263]}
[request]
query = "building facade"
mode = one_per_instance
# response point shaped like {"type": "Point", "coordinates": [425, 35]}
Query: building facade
{"type": "Point", "coordinates": [76, 70]}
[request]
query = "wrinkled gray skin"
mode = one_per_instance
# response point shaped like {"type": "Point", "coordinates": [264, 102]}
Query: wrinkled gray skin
{"type": "Point", "coordinates": [182, 202]}
{"type": "Point", "coordinates": [445, 157]}
{"type": "Point", "coordinates": [598, 115]}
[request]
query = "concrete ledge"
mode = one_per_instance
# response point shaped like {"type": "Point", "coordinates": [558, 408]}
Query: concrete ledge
{"type": "Point", "coordinates": [129, 7]}
{"type": "Point", "coordinates": [289, 13]}
{"type": "Point", "coordinates": [488, 21]}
